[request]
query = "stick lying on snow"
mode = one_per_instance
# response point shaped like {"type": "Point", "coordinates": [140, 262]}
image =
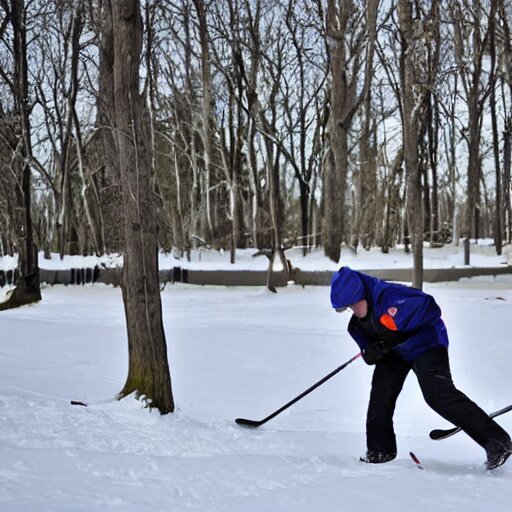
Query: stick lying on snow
{"type": "Point", "coordinates": [77, 402]}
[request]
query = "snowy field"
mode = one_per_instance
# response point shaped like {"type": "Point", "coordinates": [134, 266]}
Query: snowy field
{"type": "Point", "coordinates": [237, 353]}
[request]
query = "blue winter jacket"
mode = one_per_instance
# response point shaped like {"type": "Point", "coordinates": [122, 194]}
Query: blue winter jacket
{"type": "Point", "coordinates": [404, 315]}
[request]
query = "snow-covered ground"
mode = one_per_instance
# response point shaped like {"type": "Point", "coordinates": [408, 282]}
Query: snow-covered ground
{"type": "Point", "coordinates": [237, 352]}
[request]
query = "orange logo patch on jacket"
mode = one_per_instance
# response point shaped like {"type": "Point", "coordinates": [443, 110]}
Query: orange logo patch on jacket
{"type": "Point", "coordinates": [387, 321]}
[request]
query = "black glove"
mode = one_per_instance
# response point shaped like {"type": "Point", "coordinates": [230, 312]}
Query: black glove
{"type": "Point", "coordinates": [374, 352]}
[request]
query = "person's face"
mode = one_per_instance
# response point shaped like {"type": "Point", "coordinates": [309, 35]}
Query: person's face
{"type": "Point", "coordinates": [359, 309]}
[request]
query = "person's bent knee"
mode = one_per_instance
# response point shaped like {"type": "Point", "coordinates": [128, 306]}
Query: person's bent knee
{"type": "Point", "coordinates": [439, 393]}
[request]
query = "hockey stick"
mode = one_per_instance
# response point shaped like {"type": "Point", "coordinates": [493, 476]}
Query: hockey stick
{"type": "Point", "coordinates": [256, 423]}
{"type": "Point", "coordinates": [439, 434]}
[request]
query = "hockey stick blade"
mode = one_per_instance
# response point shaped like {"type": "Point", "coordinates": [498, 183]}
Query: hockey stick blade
{"type": "Point", "coordinates": [439, 434]}
{"type": "Point", "coordinates": [247, 423]}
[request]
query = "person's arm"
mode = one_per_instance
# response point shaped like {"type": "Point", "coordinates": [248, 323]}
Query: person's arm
{"type": "Point", "coordinates": [371, 350]}
{"type": "Point", "coordinates": [358, 335]}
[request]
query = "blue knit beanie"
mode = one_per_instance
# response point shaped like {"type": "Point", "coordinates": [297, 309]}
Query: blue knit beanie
{"type": "Point", "coordinates": [346, 288]}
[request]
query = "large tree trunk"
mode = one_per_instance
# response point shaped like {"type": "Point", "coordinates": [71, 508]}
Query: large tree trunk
{"type": "Point", "coordinates": [334, 193]}
{"type": "Point", "coordinates": [148, 372]}
{"type": "Point", "coordinates": [345, 63]}
{"type": "Point", "coordinates": [410, 140]}
{"type": "Point", "coordinates": [335, 173]}
{"type": "Point", "coordinates": [27, 286]}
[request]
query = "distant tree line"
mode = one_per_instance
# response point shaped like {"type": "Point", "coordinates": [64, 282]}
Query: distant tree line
{"type": "Point", "coordinates": [268, 122]}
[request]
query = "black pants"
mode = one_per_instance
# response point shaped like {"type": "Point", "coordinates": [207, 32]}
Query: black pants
{"type": "Point", "coordinates": [433, 372]}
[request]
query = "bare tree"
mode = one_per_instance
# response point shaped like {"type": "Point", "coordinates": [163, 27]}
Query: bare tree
{"type": "Point", "coordinates": [429, 118]}
{"type": "Point", "coordinates": [207, 108]}
{"type": "Point", "coordinates": [471, 42]}
{"type": "Point", "coordinates": [498, 229]}
{"type": "Point", "coordinates": [507, 132]}
{"type": "Point", "coordinates": [255, 11]}
{"type": "Point", "coordinates": [233, 123]}
{"type": "Point", "coordinates": [179, 167]}
{"type": "Point", "coordinates": [410, 139]}
{"type": "Point", "coordinates": [346, 36]}
{"type": "Point", "coordinates": [304, 98]}
{"type": "Point", "coordinates": [27, 287]}
{"type": "Point", "coordinates": [365, 175]}
{"type": "Point", "coordinates": [148, 372]}
{"type": "Point", "coordinates": [268, 121]}
{"type": "Point", "coordinates": [107, 178]}
{"type": "Point", "coordinates": [448, 106]}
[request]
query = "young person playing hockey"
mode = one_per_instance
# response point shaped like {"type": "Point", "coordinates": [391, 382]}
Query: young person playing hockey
{"type": "Point", "coordinates": [400, 329]}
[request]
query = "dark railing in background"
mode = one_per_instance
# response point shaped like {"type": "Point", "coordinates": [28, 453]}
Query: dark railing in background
{"type": "Point", "coordinates": [113, 276]}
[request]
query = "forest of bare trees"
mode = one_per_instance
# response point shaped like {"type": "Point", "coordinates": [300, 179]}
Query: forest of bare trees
{"type": "Point", "coordinates": [267, 123]}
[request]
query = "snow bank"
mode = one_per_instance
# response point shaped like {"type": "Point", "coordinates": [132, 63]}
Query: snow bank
{"type": "Point", "coordinates": [483, 254]}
